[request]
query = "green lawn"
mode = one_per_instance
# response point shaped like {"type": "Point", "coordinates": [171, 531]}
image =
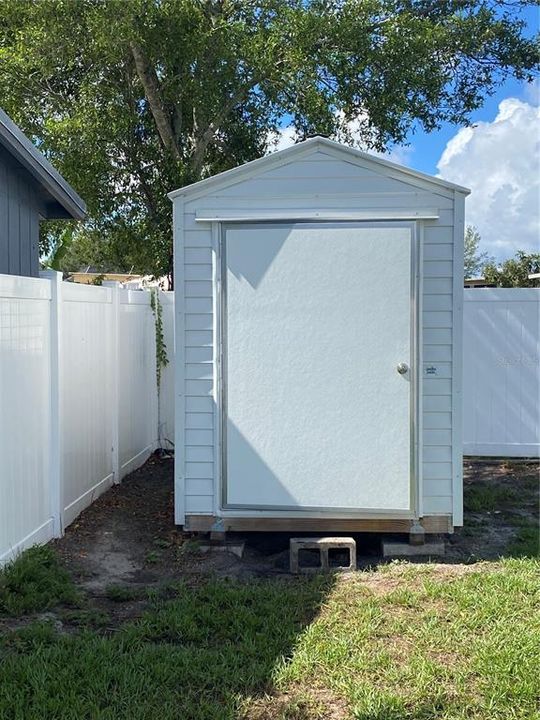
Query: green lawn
{"type": "Point", "coordinates": [421, 642]}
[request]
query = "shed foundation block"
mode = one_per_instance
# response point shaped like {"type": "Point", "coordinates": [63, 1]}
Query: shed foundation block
{"type": "Point", "coordinates": [324, 547]}
{"type": "Point", "coordinates": [392, 549]}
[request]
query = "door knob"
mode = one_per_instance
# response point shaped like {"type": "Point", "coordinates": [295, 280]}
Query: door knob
{"type": "Point", "coordinates": [402, 368]}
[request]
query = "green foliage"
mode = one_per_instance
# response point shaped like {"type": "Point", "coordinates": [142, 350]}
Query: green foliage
{"type": "Point", "coordinates": [474, 260]}
{"type": "Point", "coordinates": [34, 582]}
{"type": "Point", "coordinates": [514, 272]}
{"type": "Point", "coordinates": [133, 98]}
{"type": "Point", "coordinates": [161, 348]}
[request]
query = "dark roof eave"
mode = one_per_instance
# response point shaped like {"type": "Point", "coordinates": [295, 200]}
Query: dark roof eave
{"type": "Point", "coordinates": [63, 195]}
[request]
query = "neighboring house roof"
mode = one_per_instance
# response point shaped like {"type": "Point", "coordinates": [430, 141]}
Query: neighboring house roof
{"type": "Point", "coordinates": [281, 157]}
{"type": "Point", "coordinates": [61, 200]}
{"type": "Point", "coordinates": [88, 277]}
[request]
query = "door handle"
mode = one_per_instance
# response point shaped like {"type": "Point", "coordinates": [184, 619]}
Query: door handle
{"type": "Point", "coordinates": [402, 368]}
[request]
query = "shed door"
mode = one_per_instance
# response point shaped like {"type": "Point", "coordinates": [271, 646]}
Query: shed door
{"type": "Point", "coordinates": [315, 321]}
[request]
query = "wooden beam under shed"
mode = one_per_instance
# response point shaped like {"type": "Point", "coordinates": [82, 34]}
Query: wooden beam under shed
{"type": "Point", "coordinates": [205, 523]}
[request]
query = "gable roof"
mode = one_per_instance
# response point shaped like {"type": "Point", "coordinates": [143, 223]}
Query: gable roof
{"type": "Point", "coordinates": [306, 147]}
{"type": "Point", "coordinates": [61, 200]}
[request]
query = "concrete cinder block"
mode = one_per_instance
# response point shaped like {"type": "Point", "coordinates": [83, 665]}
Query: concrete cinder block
{"type": "Point", "coordinates": [405, 549]}
{"type": "Point", "coordinates": [235, 548]}
{"type": "Point", "coordinates": [322, 546]}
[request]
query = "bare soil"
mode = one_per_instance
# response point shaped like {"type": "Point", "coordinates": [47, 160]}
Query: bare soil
{"type": "Point", "coordinates": [128, 537]}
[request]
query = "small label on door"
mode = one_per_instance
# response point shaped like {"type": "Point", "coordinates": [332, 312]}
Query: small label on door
{"type": "Point", "coordinates": [430, 370]}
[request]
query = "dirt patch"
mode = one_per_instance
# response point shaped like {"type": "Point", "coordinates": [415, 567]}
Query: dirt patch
{"type": "Point", "coordinates": [317, 704]}
{"type": "Point", "coordinates": [501, 511]}
{"type": "Point", "coordinates": [127, 538]}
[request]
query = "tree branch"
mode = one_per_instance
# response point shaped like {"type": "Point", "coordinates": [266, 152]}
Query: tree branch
{"type": "Point", "coordinates": [150, 83]}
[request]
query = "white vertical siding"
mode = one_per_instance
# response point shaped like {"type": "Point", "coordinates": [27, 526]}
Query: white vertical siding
{"type": "Point", "coordinates": [138, 422]}
{"type": "Point", "coordinates": [502, 372]}
{"type": "Point", "coordinates": [320, 181]}
{"type": "Point", "coordinates": [87, 413]}
{"type": "Point", "coordinates": [63, 423]}
{"type": "Point", "coordinates": [25, 516]}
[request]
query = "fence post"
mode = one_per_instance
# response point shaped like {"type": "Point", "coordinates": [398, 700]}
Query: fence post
{"type": "Point", "coordinates": [114, 287]}
{"type": "Point", "coordinates": [56, 464]}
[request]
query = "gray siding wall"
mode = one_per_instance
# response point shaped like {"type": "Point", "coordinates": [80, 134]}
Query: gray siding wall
{"type": "Point", "coordinates": [321, 181]}
{"type": "Point", "coordinates": [19, 220]}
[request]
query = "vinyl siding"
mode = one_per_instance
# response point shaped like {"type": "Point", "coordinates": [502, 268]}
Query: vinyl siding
{"type": "Point", "coordinates": [320, 181]}
{"type": "Point", "coordinates": [199, 366]}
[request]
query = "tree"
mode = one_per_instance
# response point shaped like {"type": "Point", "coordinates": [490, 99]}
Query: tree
{"type": "Point", "coordinates": [133, 98]}
{"type": "Point", "coordinates": [515, 271]}
{"type": "Point", "coordinates": [474, 260]}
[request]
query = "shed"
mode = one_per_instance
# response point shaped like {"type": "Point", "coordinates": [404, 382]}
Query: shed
{"type": "Point", "coordinates": [319, 297]}
{"type": "Point", "coordinates": [30, 190]}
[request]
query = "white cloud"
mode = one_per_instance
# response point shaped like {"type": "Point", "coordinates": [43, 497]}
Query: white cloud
{"type": "Point", "coordinates": [500, 162]}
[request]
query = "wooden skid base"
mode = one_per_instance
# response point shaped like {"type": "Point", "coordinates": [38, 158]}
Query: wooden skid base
{"type": "Point", "coordinates": [206, 523]}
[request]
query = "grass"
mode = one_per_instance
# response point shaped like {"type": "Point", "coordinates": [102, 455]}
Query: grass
{"type": "Point", "coordinates": [122, 593]}
{"type": "Point", "coordinates": [35, 582]}
{"type": "Point", "coordinates": [487, 498]}
{"type": "Point", "coordinates": [403, 642]}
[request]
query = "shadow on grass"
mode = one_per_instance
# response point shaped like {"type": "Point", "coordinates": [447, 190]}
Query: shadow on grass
{"type": "Point", "coordinates": [196, 656]}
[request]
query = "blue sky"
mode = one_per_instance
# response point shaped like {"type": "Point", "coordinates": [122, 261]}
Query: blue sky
{"type": "Point", "coordinates": [427, 148]}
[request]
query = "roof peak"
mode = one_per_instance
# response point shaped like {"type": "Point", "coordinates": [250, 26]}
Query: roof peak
{"type": "Point", "coordinates": [286, 155]}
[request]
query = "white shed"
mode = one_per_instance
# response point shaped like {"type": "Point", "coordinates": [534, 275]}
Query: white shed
{"type": "Point", "coordinates": [318, 345]}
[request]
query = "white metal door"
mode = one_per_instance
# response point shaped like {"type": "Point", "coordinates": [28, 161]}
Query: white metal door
{"type": "Point", "coordinates": [316, 320]}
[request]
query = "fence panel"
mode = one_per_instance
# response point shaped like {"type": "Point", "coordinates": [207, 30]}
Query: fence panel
{"type": "Point", "coordinates": [501, 372]}
{"type": "Point", "coordinates": [78, 399]}
{"type": "Point", "coordinates": [137, 393]}
{"type": "Point", "coordinates": [25, 513]}
{"type": "Point", "coordinates": [87, 410]}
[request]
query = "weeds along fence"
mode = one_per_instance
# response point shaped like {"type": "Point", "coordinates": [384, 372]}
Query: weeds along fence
{"type": "Point", "coordinates": [79, 405]}
{"type": "Point", "coordinates": [501, 372]}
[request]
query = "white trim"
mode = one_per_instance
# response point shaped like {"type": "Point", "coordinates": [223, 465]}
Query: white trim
{"type": "Point", "coordinates": [457, 360]}
{"type": "Point", "coordinates": [40, 536]}
{"type": "Point", "coordinates": [243, 172]}
{"type": "Point", "coordinates": [137, 460]}
{"type": "Point", "coordinates": [75, 508]}
{"type": "Point", "coordinates": [496, 449]}
{"type": "Point", "coordinates": [217, 366]}
{"type": "Point", "coordinates": [26, 288]}
{"type": "Point", "coordinates": [502, 294]}
{"type": "Point", "coordinates": [419, 363]}
{"type": "Point", "coordinates": [179, 364]}
{"type": "Point", "coordinates": [335, 514]}
{"type": "Point", "coordinates": [315, 215]}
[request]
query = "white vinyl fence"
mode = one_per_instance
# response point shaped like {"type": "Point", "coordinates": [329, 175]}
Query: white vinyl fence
{"type": "Point", "coordinates": [501, 372]}
{"type": "Point", "coordinates": [78, 399]}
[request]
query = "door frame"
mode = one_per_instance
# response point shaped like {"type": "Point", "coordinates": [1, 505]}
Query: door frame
{"type": "Point", "coordinates": [221, 506]}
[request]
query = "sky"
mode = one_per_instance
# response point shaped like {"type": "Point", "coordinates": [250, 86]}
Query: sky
{"type": "Point", "coordinates": [498, 159]}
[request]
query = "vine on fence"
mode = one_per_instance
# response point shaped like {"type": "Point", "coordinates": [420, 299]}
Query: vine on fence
{"type": "Point", "coordinates": [161, 349]}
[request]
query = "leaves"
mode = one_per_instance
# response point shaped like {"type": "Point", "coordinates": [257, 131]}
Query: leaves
{"type": "Point", "coordinates": [515, 271]}
{"type": "Point", "coordinates": [133, 98]}
{"type": "Point", "coordinates": [474, 260]}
